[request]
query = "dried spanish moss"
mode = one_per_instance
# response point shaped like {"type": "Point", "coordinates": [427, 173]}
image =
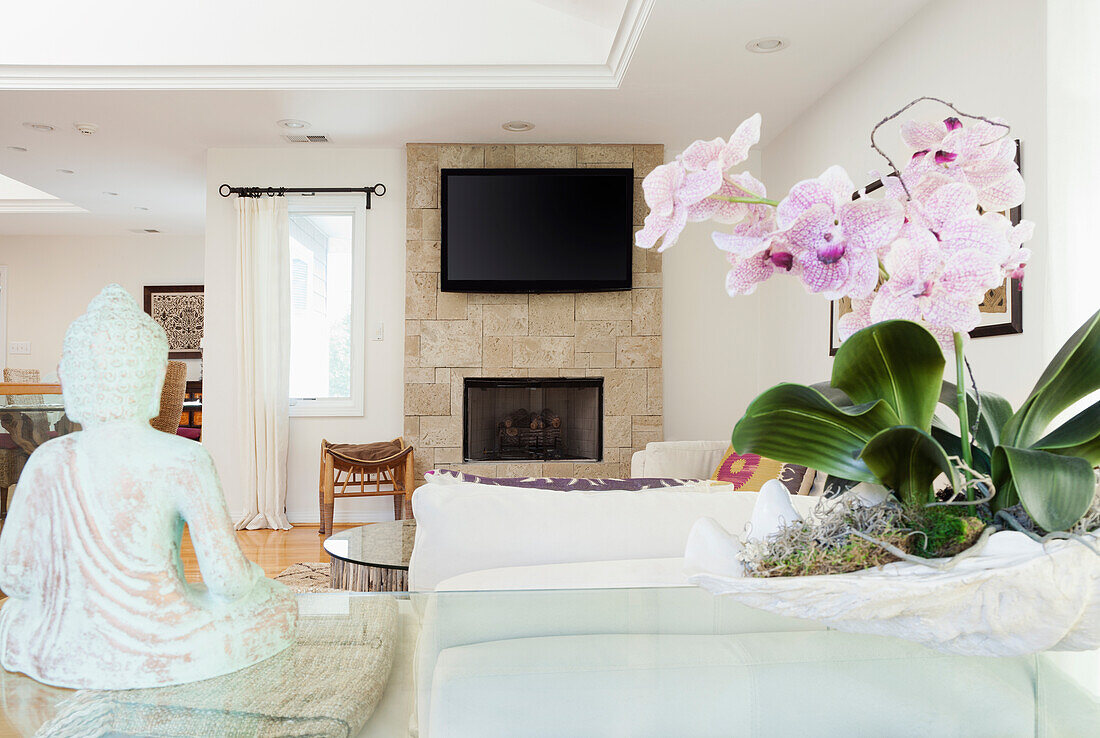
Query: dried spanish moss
{"type": "Point", "coordinates": [845, 535]}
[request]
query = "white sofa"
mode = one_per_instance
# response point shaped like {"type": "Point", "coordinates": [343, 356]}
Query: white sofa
{"type": "Point", "coordinates": [495, 658]}
{"type": "Point", "coordinates": [678, 459]}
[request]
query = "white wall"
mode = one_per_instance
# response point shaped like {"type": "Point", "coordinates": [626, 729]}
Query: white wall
{"type": "Point", "coordinates": [986, 56]}
{"type": "Point", "coordinates": [1073, 118]}
{"type": "Point", "coordinates": [51, 279]}
{"type": "Point", "coordinates": [318, 167]}
{"type": "Point", "coordinates": [711, 341]}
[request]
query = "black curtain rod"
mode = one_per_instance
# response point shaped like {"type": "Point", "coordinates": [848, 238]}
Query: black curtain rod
{"type": "Point", "coordinates": [227, 190]}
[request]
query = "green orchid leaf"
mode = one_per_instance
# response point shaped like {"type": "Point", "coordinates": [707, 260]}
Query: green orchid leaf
{"type": "Point", "coordinates": [1072, 374]}
{"type": "Point", "coordinates": [1078, 436]}
{"type": "Point", "coordinates": [995, 414]}
{"type": "Point", "coordinates": [1055, 490]}
{"type": "Point", "coordinates": [799, 425]}
{"type": "Point", "coordinates": [832, 394]}
{"type": "Point", "coordinates": [896, 361]}
{"type": "Point", "coordinates": [908, 460]}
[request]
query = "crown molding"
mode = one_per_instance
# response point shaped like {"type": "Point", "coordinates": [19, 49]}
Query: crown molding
{"type": "Point", "coordinates": [472, 77]}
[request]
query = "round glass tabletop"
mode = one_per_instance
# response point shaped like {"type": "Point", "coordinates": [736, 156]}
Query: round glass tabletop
{"type": "Point", "coordinates": [385, 545]}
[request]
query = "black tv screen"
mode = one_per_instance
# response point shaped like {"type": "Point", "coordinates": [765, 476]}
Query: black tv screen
{"type": "Point", "coordinates": [536, 230]}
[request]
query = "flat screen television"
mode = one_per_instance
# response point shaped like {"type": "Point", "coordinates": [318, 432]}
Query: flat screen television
{"type": "Point", "coordinates": [536, 230]}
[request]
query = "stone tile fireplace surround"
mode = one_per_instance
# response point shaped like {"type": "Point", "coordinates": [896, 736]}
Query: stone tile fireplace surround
{"type": "Point", "coordinates": [451, 336]}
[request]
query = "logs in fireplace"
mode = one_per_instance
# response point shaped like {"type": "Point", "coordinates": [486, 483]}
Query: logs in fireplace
{"type": "Point", "coordinates": [503, 422]}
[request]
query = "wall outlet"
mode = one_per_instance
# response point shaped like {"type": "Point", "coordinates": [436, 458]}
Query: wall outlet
{"type": "Point", "coordinates": [378, 333]}
{"type": "Point", "coordinates": [19, 347]}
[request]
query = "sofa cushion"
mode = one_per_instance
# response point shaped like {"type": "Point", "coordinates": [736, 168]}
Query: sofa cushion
{"type": "Point", "coordinates": [461, 618]}
{"type": "Point", "coordinates": [468, 527]}
{"type": "Point", "coordinates": [681, 458]}
{"type": "Point", "coordinates": [667, 572]}
{"type": "Point", "coordinates": [750, 471]}
{"type": "Point", "coordinates": [763, 684]}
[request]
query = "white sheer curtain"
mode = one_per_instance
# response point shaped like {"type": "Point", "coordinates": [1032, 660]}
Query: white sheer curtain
{"type": "Point", "coordinates": [263, 358]}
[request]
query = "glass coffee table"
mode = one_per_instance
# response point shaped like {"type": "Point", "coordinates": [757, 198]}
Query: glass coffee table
{"type": "Point", "coordinates": [372, 558]}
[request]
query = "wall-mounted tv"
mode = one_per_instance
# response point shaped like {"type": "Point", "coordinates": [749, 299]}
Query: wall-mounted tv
{"type": "Point", "coordinates": [536, 230]}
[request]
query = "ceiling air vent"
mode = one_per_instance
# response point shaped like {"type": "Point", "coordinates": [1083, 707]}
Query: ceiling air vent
{"type": "Point", "coordinates": [301, 138]}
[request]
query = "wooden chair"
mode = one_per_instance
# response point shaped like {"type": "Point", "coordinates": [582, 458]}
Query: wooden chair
{"type": "Point", "coordinates": [171, 398]}
{"type": "Point", "coordinates": [387, 467]}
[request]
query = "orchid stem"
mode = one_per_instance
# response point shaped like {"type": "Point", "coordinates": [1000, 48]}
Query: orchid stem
{"type": "Point", "coordinates": [964, 422]}
{"type": "Point", "coordinates": [747, 200]}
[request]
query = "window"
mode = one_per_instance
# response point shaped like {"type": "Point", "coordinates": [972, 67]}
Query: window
{"type": "Point", "coordinates": [327, 262]}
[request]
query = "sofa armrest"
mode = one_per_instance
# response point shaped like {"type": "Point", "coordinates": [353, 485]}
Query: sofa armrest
{"type": "Point", "coordinates": [637, 465]}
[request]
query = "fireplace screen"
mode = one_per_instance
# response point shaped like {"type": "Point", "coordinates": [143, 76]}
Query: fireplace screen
{"type": "Point", "coordinates": [553, 419]}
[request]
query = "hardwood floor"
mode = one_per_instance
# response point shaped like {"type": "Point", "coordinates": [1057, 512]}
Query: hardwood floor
{"type": "Point", "coordinates": [274, 550]}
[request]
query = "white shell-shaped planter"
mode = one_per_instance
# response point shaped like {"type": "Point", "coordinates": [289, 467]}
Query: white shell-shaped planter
{"type": "Point", "coordinates": [772, 512]}
{"type": "Point", "coordinates": [1015, 597]}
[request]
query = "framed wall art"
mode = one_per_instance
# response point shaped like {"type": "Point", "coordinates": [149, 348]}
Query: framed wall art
{"type": "Point", "coordinates": [178, 309]}
{"type": "Point", "coordinates": [1002, 309]}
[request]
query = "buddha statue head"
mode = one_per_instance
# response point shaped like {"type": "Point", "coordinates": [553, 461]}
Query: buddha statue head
{"type": "Point", "coordinates": [113, 362]}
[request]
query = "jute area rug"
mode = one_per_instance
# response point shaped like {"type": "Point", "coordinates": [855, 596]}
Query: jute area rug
{"type": "Point", "coordinates": [306, 578]}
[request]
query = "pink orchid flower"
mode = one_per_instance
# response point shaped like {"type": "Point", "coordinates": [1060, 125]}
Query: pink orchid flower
{"type": "Point", "coordinates": [836, 241]}
{"type": "Point", "coordinates": [681, 190]}
{"type": "Point", "coordinates": [857, 319]}
{"type": "Point", "coordinates": [718, 156]}
{"type": "Point", "coordinates": [722, 211]}
{"type": "Point", "coordinates": [938, 287]}
{"type": "Point", "coordinates": [980, 155]}
{"type": "Point", "coordinates": [667, 210]}
{"type": "Point", "coordinates": [753, 251]}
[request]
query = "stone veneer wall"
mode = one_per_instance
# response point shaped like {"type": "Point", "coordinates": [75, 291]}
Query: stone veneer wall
{"type": "Point", "coordinates": [449, 336]}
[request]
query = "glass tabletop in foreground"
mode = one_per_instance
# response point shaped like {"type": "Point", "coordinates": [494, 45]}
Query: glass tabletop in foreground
{"type": "Point", "coordinates": [384, 545]}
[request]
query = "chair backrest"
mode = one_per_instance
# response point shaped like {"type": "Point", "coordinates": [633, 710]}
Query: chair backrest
{"type": "Point", "coordinates": [23, 376]}
{"type": "Point", "coordinates": [171, 398]}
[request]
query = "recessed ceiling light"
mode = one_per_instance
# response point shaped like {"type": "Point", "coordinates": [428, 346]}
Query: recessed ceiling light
{"type": "Point", "coordinates": [17, 148]}
{"type": "Point", "coordinates": [110, 194]}
{"type": "Point", "coordinates": [65, 171]}
{"type": "Point", "coordinates": [140, 207]}
{"type": "Point", "coordinates": [43, 127]}
{"type": "Point", "coordinates": [292, 123]}
{"type": "Point", "coordinates": [767, 45]}
{"type": "Point", "coordinates": [518, 126]}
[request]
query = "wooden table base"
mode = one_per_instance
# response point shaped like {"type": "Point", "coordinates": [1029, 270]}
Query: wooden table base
{"type": "Point", "coordinates": [364, 578]}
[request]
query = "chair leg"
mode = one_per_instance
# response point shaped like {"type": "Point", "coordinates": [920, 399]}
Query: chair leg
{"type": "Point", "coordinates": [398, 505]}
{"type": "Point", "coordinates": [410, 484]}
{"type": "Point", "coordinates": [3, 503]}
{"type": "Point", "coordinates": [328, 500]}
{"type": "Point", "coordinates": [321, 492]}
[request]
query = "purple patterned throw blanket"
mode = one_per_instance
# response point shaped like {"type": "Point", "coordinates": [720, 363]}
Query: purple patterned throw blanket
{"type": "Point", "coordinates": [583, 484]}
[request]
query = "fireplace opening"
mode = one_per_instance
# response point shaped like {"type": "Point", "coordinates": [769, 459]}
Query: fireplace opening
{"type": "Point", "coordinates": [551, 419]}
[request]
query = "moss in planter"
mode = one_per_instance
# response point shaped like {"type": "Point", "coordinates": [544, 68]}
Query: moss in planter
{"type": "Point", "coordinates": [824, 543]}
{"type": "Point", "coordinates": [855, 555]}
{"type": "Point", "coordinates": [944, 532]}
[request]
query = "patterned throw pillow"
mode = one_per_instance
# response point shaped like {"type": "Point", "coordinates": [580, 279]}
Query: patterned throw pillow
{"type": "Point", "coordinates": [749, 472]}
{"type": "Point", "coordinates": [582, 484]}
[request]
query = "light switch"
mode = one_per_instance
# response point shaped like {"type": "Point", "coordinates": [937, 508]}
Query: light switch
{"type": "Point", "coordinates": [19, 347]}
{"type": "Point", "coordinates": [379, 332]}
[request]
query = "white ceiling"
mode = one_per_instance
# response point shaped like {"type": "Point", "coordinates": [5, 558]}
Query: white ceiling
{"type": "Point", "coordinates": [689, 77]}
{"type": "Point", "coordinates": [320, 33]}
